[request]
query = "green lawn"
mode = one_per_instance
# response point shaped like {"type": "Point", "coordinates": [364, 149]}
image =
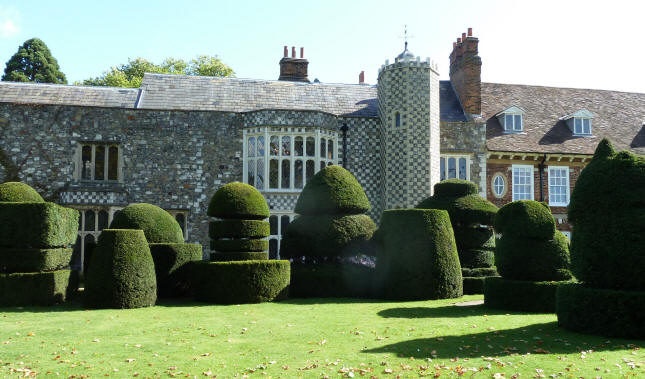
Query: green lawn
{"type": "Point", "coordinates": [305, 338]}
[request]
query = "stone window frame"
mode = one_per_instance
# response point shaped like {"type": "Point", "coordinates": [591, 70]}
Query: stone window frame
{"type": "Point", "coordinates": [444, 168]}
{"type": "Point", "coordinates": [563, 183]}
{"type": "Point", "coordinates": [256, 159]}
{"type": "Point", "coordinates": [181, 216]}
{"type": "Point", "coordinates": [88, 174]}
{"type": "Point", "coordinates": [493, 185]}
{"type": "Point", "coordinates": [277, 230]}
{"type": "Point", "coordinates": [87, 232]}
{"type": "Point", "coordinates": [527, 173]}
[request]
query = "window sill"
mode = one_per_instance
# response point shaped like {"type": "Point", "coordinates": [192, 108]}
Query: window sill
{"type": "Point", "coordinates": [584, 135]}
{"type": "Point", "coordinates": [279, 191]}
{"type": "Point", "coordinates": [558, 204]}
{"type": "Point", "coordinates": [514, 132]}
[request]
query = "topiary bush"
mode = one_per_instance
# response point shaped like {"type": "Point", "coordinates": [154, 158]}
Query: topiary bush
{"type": "Point", "coordinates": [170, 261]}
{"type": "Point", "coordinates": [37, 225]}
{"type": "Point", "coordinates": [122, 272]}
{"type": "Point", "coordinates": [417, 256]}
{"type": "Point", "coordinates": [238, 201]}
{"type": "Point", "coordinates": [19, 192]}
{"type": "Point", "coordinates": [532, 257]}
{"type": "Point", "coordinates": [333, 279]}
{"type": "Point", "coordinates": [331, 232]}
{"type": "Point", "coordinates": [607, 211]}
{"type": "Point", "coordinates": [240, 282]}
{"type": "Point", "coordinates": [33, 260]}
{"type": "Point", "coordinates": [471, 216]}
{"type": "Point", "coordinates": [34, 288]}
{"type": "Point", "coordinates": [157, 225]}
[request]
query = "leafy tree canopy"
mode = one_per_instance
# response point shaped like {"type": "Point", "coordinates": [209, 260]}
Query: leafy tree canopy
{"type": "Point", "coordinates": [33, 63]}
{"type": "Point", "coordinates": [131, 73]}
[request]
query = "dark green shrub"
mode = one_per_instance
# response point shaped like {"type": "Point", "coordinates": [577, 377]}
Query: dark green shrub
{"type": "Point", "coordinates": [238, 201]}
{"type": "Point", "coordinates": [520, 295]}
{"type": "Point", "coordinates": [34, 288]}
{"type": "Point", "coordinates": [479, 272]}
{"type": "Point", "coordinates": [525, 218]}
{"type": "Point", "coordinates": [37, 225]}
{"type": "Point", "coordinates": [157, 225]}
{"type": "Point", "coordinates": [417, 256]}
{"type": "Point", "coordinates": [522, 258]}
{"type": "Point", "coordinates": [605, 312]}
{"type": "Point", "coordinates": [239, 256]}
{"type": "Point", "coordinates": [170, 259]}
{"type": "Point", "coordinates": [331, 280]}
{"type": "Point", "coordinates": [607, 210]}
{"type": "Point", "coordinates": [327, 235]}
{"type": "Point", "coordinates": [19, 192]}
{"type": "Point", "coordinates": [122, 272]}
{"type": "Point", "coordinates": [31, 260]}
{"type": "Point", "coordinates": [474, 285]}
{"type": "Point", "coordinates": [333, 190]}
{"type": "Point", "coordinates": [474, 238]}
{"type": "Point", "coordinates": [239, 245]}
{"type": "Point", "coordinates": [239, 282]}
{"type": "Point", "coordinates": [238, 229]}
{"type": "Point", "coordinates": [465, 210]}
{"type": "Point", "coordinates": [455, 188]}
{"type": "Point", "coordinates": [474, 258]}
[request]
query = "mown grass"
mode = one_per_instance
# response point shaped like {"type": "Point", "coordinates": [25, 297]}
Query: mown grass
{"type": "Point", "coordinates": [305, 338]}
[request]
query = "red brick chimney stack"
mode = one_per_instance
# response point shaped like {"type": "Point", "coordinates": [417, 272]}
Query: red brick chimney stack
{"type": "Point", "coordinates": [292, 68]}
{"type": "Point", "coordinates": [361, 77]}
{"type": "Point", "coordinates": [465, 72]}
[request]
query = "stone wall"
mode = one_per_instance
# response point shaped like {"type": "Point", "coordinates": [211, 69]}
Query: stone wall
{"type": "Point", "coordinates": [467, 138]}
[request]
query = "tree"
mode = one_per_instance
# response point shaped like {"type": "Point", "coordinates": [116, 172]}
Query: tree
{"type": "Point", "coordinates": [33, 63]}
{"type": "Point", "coordinates": [131, 73]}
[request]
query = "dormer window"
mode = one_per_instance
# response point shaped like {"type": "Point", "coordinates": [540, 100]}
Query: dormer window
{"type": "Point", "coordinates": [579, 122]}
{"type": "Point", "coordinates": [512, 119]}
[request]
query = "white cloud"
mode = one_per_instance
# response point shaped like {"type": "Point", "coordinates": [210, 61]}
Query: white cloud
{"type": "Point", "coordinates": [9, 22]}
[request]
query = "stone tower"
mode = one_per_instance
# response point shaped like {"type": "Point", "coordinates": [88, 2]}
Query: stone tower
{"type": "Point", "coordinates": [408, 94]}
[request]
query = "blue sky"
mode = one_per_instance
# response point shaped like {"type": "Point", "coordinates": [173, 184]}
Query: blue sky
{"type": "Point", "coordinates": [587, 44]}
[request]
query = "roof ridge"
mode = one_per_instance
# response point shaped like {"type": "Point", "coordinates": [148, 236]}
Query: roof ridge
{"type": "Point", "coordinates": [568, 88]}
{"type": "Point", "coordinates": [202, 77]}
{"type": "Point", "coordinates": [66, 85]}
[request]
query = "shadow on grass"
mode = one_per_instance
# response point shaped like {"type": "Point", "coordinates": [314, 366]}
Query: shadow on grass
{"type": "Point", "coordinates": [441, 312]}
{"type": "Point", "coordinates": [77, 306]}
{"type": "Point", "coordinates": [543, 338]}
{"type": "Point", "coordinates": [330, 300]}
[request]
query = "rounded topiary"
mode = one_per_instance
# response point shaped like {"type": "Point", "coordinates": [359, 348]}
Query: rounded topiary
{"type": "Point", "coordinates": [455, 188]}
{"type": "Point", "coordinates": [17, 192]}
{"type": "Point", "coordinates": [333, 190]}
{"type": "Point", "coordinates": [525, 218]}
{"type": "Point", "coordinates": [157, 225]}
{"type": "Point", "coordinates": [122, 272]}
{"type": "Point", "coordinates": [238, 229]}
{"type": "Point", "coordinates": [239, 245]}
{"type": "Point", "coordinates": [327, 236]}
{"type": "Point", "coordinates": [607, 210]}
{"type": "Point", "coordinates": [238, 201]}
{"type": "Point", "coordinates": [417, 255]}
{"type": "Point", "coordinates": [533, 260]}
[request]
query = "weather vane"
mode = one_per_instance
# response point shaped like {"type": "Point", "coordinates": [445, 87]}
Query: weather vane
{"type": "Point", "coordinates": [406, 36]}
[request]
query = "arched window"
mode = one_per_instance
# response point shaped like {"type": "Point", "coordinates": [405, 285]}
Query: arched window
{"type": "Point", "coordinates": [397, 119]}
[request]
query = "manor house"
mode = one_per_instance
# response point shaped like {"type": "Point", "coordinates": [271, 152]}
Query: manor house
{"type": "Point", "coordinates": [176, 139]}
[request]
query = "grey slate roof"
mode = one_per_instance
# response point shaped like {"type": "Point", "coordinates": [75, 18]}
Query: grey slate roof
{"type": "Point", "coordinates": [241, 95]}
{"type": "Point", "coordinates": [450, 108]}
{"type": "Point", "coordinates": [31, 93]}
{"type": "Point", "coordinates": [618, 116]}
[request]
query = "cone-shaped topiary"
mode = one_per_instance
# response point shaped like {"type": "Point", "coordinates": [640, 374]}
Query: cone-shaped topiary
{"type": "Point", "coordinates": [157, 225]}
{"type": "Point", "coordinates": [530, 255]}
{"type": "Point", "coordinates": [19, 192]}
{"type": "Point", "coordinates": [238, 201]}
{"type": "Point", "coordinates": [331, 231]}
{"type": "Point", "coordinates": [122, 272]}
{"type": "Point", "coordinates": [607, 211]}
{"type": "Point", "coordinates": [417, 256]}
{"type": "Point", "coordinates": [333, 190]}
{"type": "Point", "coordinates": [471, 216]}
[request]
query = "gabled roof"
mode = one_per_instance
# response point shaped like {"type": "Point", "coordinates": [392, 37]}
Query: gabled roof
{"type": "Point", "coordinates": [582, 113]}
{"type": "Point", "coordinates": [512, 109]}
{"type": "Point", "coordinates": [618, 116]}
{"type": "Point", "coordinates": [242, 95]}
{"type": "Point", "coordinates": [32, 93]}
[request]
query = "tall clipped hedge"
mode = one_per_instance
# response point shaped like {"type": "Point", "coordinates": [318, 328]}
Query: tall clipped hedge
{"type": "Point", "coordinates": [532, 257]}
{"type": "Point", "coordinates": [471, 216]}
{"type": "Point", "coordinates": [157, 225]}
{"type": "Point", "coordinates": [122, 272]}
{"type": "Point", "coordinates": [417, 256]}
{"type": "Point", "coordinates": [330, 231]}
{"type": "Point", "coordinates": [19, 192]}
{"type": "Point", "coordinates": [607, 211]}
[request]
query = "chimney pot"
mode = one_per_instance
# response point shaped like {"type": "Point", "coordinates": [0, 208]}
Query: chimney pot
{"type": "Point", "coordinates": [458, 40]}
{"type": "Point", "coordinates": [361, 77]}
{"type": "Point", "coordinates": [463, 36]}
{"type": "Point", "coordinates": [286, 51]}
{"type": "Point", "coordinates": [293, 51]}
{"type": "Point", "coordinates": [302, 52]}
{"type": "Point", "coordinates": [454, 44]}
{"type": "Point", "coordinates": [470, 32]}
